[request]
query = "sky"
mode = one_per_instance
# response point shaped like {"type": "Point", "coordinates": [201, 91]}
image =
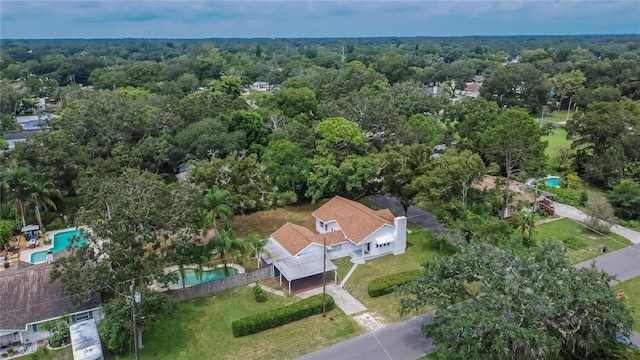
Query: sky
{"type": "Point", "coordinates": [308, 18]}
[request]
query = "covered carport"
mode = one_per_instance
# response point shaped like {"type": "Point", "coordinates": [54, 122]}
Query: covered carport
{"type": "Point", "coordinates": [293, 268]}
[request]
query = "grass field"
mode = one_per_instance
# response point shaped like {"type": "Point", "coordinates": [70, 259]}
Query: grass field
{"type": "Point", "coordinates": [557, 140]}
{"type": "Point", "coordinates": [201, 329]}
{"type": "Point", "coordinates": [45, 354]}
{"type": "Point", "coordinates": [387, 306]}
{"type": "Point", "coordinates": [581, 243]}
{"type": "Point", "coordinates": [632, 298]}
{"type": "Point", "coordinates": [553, 116]}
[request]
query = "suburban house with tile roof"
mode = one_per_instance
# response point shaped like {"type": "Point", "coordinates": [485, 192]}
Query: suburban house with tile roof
{"type": "Point", "coordinates": [29, 299]}
{"type": "Point", "coordinates": [349, 229]}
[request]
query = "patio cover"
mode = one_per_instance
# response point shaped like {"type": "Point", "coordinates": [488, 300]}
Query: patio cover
{"type": "Point", "coordinates": [300, 267]}
{"type": "Point", "coordinates": [30, 228]}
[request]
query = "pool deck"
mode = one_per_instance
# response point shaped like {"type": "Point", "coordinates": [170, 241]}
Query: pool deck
{"type": "Point", "coordinates": [25, 255]}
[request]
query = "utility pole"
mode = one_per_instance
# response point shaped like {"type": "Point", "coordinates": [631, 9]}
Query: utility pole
{"type": "Point", "coordinates": [133, 318]}
{"type": "Point", "coordinates": [533, 211]}
{"type": "Point", "coordinates": [324, 276]}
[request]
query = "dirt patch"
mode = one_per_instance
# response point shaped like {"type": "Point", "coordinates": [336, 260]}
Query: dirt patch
{"type": "Point", "coordinates": [268, 221]}
{"type": "Point", "coordinates": [370, 321]}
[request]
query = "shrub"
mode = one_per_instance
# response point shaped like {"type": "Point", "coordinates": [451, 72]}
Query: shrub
{"type": "Point", "coordinates": [566, 196]}
{"type": "Point", "coordinates": [574, 243]}
{"type": "Point", "coordinates": [600, 215]}
{"type": "Point", "coordinates": [280, 316]}
{"type": "Point", "coordinates": [258, 293]}
{"type": "Point", "coordinates": [388, 284]}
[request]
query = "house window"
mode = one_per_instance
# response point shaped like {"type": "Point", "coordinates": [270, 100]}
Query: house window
{"type": "Point", "coordinates": [81, 317]}
{"type": "Point", "coordinates": [335, 248]}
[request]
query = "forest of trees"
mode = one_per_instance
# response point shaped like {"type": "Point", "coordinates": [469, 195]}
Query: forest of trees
{"type": "Point", "coordinates": [344, 117]}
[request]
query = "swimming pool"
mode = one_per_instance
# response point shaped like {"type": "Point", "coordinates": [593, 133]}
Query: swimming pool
{"type": "Point", "coordinates": [209, 275]}
{"type": "Point", "coordinates": [553, 181]}
{"type": "Point", "coordinates": [61, 241]}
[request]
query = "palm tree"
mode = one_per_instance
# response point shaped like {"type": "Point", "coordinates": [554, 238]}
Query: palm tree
{"type": "Point", "coordinates": [258, 243]}
{"type": "Point", "coordinates": [19, 182]}
{"type": "Point", "coordinates": [182, 252]}
{"type": "Point", "coordinates": [224, 244]}
{"type": "Point", "coordinates": [215, 202]}
{"type": "Point", "coordinates": [40, 197]}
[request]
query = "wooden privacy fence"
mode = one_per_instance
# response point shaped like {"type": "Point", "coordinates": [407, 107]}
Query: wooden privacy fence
{"type": "Point", "coordinates": [220, 285]}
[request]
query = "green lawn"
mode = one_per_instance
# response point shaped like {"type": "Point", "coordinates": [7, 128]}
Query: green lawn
{"type": "Point", "coordinates": [201, 329]}
{"type": "Point", "coordinates": [45, 354]}
{"type": "Point", "coordinates": [581, 243]}
{"type": "Point", "coordinates": [387, 306]}
{"type": "Point", "coordinates": [553, 116]}
{"type": "Point", "coordinates": [632, 298]}
{"type": "Point", "coordinates": [557, 140]}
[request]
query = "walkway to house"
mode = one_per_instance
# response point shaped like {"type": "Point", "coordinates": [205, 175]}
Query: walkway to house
{"type": "Point", "coordinates": [343, 299]}
{"type": "Point", "coordinates": [576, 214]}
{"type": "Point", "coordinates": [415, 215]}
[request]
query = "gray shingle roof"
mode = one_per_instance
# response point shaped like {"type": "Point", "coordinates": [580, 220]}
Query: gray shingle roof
{"type": "Point", "coordinates": [27, 296]}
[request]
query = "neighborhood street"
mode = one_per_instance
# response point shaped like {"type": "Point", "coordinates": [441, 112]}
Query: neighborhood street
{"type": "Point", "coordinates": [414, 214]}
{"type": "Point", "coordinates": [405, 341]}
{"type": "Point", "coordinates": [399, 341]}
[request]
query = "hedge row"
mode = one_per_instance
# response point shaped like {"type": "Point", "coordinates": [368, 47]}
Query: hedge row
{"type": "Point", "coordinates": [280, 316]}
{"type": "Point", "coordinates": [387, 284]}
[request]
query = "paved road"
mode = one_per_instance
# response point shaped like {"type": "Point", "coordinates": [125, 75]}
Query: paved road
{"type": "Point", "coordinates": [575, 214]}
{"type": "Point", "coordinates": [416, 215]}
{"type": "Point", "coordinates": [623, 263]}
{"type": "Point", "coordinates": [399, 341]}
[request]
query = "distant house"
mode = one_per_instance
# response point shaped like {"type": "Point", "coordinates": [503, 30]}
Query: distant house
{"type": "Point", "coordinates": [181, 171]}
{"type": "Point", "coordinates": [350, 229]}
{"type": "Point", "coordinates": [521, 197]}
{"type": "Point", "coordinates": [14, 137]}
{"type": "Point", "coordinates": [472, 89]}
{"type": "Point", "coordinates": [35, 122]}
{"type": "Point", "coordinates": [29, 299]}
{"type": "Point", "coordinates": [260, 86]}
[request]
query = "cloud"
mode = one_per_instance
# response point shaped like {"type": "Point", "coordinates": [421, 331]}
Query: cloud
{"type": "Point", "coordinates": [303, 18]}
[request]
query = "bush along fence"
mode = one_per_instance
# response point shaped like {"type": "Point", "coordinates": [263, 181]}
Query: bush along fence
{"type": "Point", "coordinates": [281, 316]}
{"type": "Point", "coordinates": [226, 283]}
{"type": "Point", "coordinates": [388, 284]}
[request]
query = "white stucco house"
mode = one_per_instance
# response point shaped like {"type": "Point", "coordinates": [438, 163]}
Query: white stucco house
{"type": "Point", "coordinates": [349, 228]}
{"type": "Point", "coordinates": [28, 299]}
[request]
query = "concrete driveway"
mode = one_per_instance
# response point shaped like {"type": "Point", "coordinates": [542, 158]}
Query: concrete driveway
{"type": "Point", "coordinates": [574, 213]}
{"type": "Point", "coordinates": [416, 215]}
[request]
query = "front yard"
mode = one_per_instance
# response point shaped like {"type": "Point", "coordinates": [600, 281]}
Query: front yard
{"type": "Point", "coordinates": [201, 329]}
{"type": "Point", "coordinates": [45, 354]}
{"type": "Point", "coordinates": [388, 306]}
{"type": "Point", "coordinates": [631, 296]}
{"type": "Point", "coordinates": [581, 243]}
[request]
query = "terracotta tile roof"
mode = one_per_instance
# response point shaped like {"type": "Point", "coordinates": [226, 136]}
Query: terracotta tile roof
{"type": "Point", "coordinates": [294, 238]}
{"type": "Point", "coordinates": [356, 220]}
{"type": "Point", "coordinates": [489, 182]}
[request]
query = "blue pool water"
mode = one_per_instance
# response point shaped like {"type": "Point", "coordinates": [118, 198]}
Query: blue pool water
{"type": "Point", "coordinates": [61, 241]}
{"type": "Point", "coordinates": [191, 279]}
{"type": "Point", "coordinates": [553, 181]}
